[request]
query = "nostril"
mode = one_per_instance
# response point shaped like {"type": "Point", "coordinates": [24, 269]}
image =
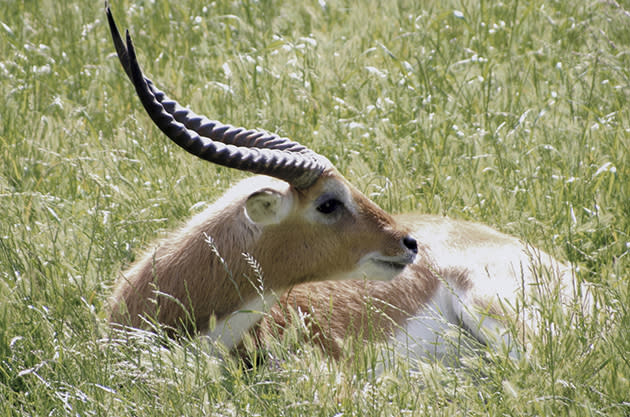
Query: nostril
{"type": "Point", "coordinates": [411, 244]}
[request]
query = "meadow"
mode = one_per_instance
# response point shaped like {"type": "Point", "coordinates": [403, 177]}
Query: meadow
{"type": "Point", "coordinates": [515, 114]}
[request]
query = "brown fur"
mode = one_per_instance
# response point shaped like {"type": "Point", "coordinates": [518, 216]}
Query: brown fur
{"type": "Point", "coordinates": [182, 283]}
{"type": "Point", "coordinates": [334, 311]}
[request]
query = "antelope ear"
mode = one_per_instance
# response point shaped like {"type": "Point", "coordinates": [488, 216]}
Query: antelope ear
{"type": "Point", "coordinates": [268, 206]}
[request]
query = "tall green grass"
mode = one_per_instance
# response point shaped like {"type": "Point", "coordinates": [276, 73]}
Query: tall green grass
{"type": "Point", "coordinates": [510, 113]}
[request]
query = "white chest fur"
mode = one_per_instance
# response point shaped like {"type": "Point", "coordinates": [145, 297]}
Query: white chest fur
{"type": "Point", "coordinates": [230, 330]}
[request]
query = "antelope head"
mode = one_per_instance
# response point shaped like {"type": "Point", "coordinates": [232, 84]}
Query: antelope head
{"type": "Point", "coordinates": [305, 223]}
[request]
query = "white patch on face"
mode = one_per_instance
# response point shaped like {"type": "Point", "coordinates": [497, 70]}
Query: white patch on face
{"type": "Point", "coordinates": [385, 267]}
{"type": "Point", "coordinates": [231, 329]}
{"type": "Point", "coordinates": [376, 267]}
{"type": "Point", "coordinates": [332, 189]}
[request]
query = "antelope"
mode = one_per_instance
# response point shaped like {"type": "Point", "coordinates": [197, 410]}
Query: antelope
{"type": "Point", "coordinates": [299, 221]}
{"type": "Point", "coordinates": [351, 268]}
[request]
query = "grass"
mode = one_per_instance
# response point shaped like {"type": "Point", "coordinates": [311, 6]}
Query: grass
{"type": "Point", "coordinates": [514, 114]}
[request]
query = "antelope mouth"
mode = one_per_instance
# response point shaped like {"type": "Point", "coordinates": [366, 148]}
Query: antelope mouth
{"type": "Point", "coordinates": [397, 263]}
{"type": "Point", "coordinates": [390, 264]}
{"type": "Point", "coordinates": [378, 267]}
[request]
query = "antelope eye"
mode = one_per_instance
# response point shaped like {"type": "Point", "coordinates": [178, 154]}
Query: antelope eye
{"type": "Point", "coordinates": [329, 206]}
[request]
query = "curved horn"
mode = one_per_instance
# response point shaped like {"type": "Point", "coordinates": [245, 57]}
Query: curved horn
{"type": "Point", "coordinates": [247, 150]}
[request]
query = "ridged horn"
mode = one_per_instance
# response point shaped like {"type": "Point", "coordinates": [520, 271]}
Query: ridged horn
{"type": "Point", "coordinates": [247, 150]}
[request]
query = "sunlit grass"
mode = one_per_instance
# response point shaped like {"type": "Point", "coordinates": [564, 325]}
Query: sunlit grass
{"type": "Point", "coordinates": [514, 114]}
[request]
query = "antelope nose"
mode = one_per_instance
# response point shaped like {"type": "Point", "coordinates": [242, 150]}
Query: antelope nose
{"type": "Point", "coordinates": [410, 243]}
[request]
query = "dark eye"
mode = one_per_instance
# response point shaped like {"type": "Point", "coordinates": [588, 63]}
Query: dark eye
{"type": "Point", "coordinates": [329, 206]}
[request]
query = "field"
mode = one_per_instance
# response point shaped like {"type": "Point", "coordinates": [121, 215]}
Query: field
{"type": "Point", "coordinates": [515, 114]}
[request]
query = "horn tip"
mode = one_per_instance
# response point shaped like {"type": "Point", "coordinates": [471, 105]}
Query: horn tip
{"type": "Point", "coordinates": [108, 13]}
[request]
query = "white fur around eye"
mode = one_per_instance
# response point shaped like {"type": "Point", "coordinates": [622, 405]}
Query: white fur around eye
{"type": "Point", "coordinates": [332, 190]}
